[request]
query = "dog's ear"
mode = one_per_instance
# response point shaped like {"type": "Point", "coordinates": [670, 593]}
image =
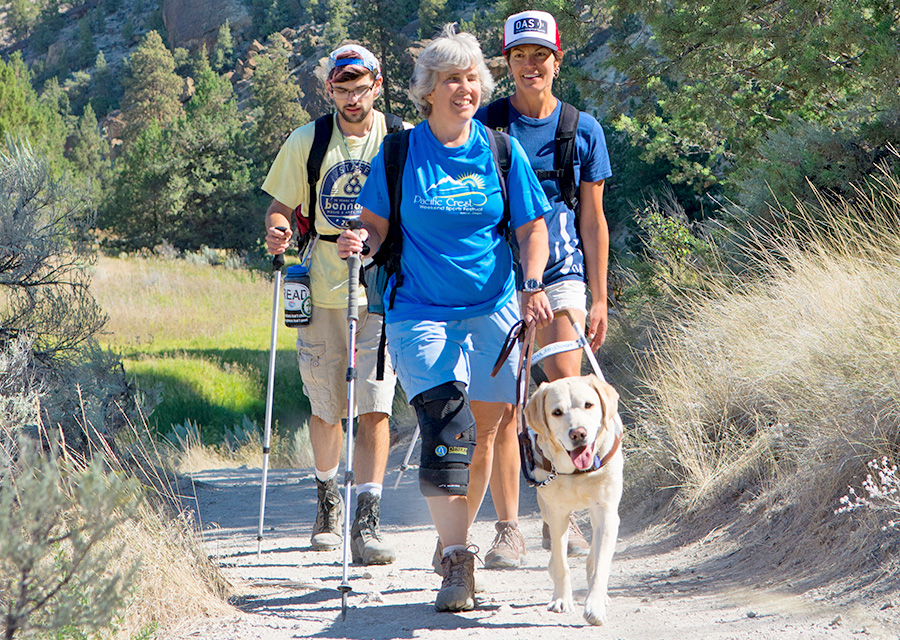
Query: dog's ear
{"type": "Point", "coordinates": [609, 397]}
{"type": "Point", "coordinates": [534, 410]}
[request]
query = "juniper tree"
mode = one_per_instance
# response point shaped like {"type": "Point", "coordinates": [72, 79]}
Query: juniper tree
{"type": "Point", "coordinates": [709, 80]}
{"type": "Point", "coordinates": [276, 99]}
{"type": "Point", "coordinates": [223, 53]}
{"type": "Point", "coordinates": [24, 114]}
{"type": "Point", "coordinates": [375, 24]}
{"type": "Point", "coordinates": [152, 88]}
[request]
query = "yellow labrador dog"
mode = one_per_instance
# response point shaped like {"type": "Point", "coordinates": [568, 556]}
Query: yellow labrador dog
{"type": "Point", "coordinates": [578, 432]}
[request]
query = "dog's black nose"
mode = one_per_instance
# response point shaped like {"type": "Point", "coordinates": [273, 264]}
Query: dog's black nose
{"type": "Point", "coordinates": [578, 435]}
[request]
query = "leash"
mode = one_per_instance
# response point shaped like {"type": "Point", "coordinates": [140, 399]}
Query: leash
{"type": "Point", "coordinates": [529, 450]}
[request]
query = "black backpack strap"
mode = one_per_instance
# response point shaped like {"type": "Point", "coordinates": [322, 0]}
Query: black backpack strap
{"type": "Point", "coordinates": [501, 149]}
{"type": "Point", "coordinates": [393, 122]}
{"type": "Point", "coordinates": [498, 115]}
{"type": "Point", "coordinates": [564, 156]}
{"type": "Point", "coordinates": [396, 147]}
{"type": "Point", "coordinates": [565, 153]}
{"type": "Point", "coordinates": [321, 138]}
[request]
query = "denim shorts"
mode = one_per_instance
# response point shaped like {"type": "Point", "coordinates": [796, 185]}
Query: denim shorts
{"type": "Point", "coordinates": [426, 354]}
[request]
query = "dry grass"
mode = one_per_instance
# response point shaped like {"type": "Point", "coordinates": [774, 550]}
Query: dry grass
{"type": "Point", "coordinates": [153, 302]}
{"type": "Point", "coordinates": [187, 453]}
{"type": "Point", "coordinates": [177, 581]}
{"type": "Point", "coordinates": [772, 396]}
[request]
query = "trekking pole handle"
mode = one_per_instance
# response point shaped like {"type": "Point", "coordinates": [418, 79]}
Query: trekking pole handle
{"type": "Point", "coordinates": [353, 263]}
{"type": "Point", "coordinates": [278, 260]}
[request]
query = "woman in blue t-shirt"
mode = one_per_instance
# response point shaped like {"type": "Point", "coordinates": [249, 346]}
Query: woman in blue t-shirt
{"type": "Point", "coordinates": [578, 246]}
{"type": "Point", "coordinates": [447, 320]}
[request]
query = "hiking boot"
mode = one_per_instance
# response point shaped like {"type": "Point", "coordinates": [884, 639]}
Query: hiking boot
{"type": "Point", "coordinates": [438, 558]}
{"type": "Point", "coordinates": [365, 539]}
{"type": "Point", "coordinates": [508, 547]}
{"type": "Point", "coordinates": [458, 587]}
{"type": "Point", "coordinates": [326, 534]}
{"type": "Point", "coordinates": [577, 547]}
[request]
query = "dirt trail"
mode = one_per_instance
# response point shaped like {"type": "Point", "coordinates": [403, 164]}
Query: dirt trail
{"type": "Point", "coordinates": [658, 590]}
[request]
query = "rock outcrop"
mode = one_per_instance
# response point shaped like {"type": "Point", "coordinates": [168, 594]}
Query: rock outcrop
{"type": "Point", "coordinates": [192, 23]}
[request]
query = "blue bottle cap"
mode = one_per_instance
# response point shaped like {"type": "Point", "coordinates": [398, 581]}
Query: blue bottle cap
{"type": "Point", "coordinates": [298, 270]}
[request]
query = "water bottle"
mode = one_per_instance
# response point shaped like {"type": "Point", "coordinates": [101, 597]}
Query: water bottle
{"type": "Point", "coordinates": [297, 298]}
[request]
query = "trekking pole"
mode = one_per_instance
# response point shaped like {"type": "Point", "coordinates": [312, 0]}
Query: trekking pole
{"type": "Point", "coordinates": [409, 452]}
{"type": "Point", "coordinates": [277, 264]}
{"type": "Point", "coordinates": [353, 264]}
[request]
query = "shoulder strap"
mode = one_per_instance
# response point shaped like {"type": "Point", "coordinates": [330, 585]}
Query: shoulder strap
{"type": "Point", "coordinates": [321, 138]}
{"type": "Point", "coordinates": [501, 149]}
{"type": "Point", "coordinates": [498, 115]}
{"type": "Point", "coordinates": [565, 154]}
{"type": "Point", "coordinates": [393, 122]}
{"type": "Point", "coordinates": [396, 147]}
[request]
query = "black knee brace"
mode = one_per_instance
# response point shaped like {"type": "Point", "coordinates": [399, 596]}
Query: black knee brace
{"type": "Point", "coordinates": [448, 439]}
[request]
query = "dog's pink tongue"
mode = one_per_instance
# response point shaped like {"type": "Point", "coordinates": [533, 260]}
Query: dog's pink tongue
{"type": "Point", "coordinates": [582, 457]}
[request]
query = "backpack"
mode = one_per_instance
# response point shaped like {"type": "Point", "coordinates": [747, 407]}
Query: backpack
{"type": "Point", "coordinates": [321, 137]}
{"type": "Point", "coordinates": [564, 156]}
{"type": "Point", "coordinates": [395, 149]}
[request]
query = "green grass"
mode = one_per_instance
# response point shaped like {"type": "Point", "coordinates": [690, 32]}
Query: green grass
{"type": "Point", "coordinates": [197, 337]}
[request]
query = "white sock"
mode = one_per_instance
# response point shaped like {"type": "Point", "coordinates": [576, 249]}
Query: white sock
{"type": "Point", "coordinates": [452, 548]}
{"type": "Point", "coordinates": [325, 476]}
{"type": "Point", "coordinates": [371, 487]}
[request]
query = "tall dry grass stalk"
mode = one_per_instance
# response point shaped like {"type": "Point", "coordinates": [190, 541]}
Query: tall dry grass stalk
{"type": "Point", "coordinates": [790, 382]}
{"type": "Point", "coordinates": [177, 581]}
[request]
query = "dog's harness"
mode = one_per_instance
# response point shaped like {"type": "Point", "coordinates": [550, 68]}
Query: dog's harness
{"type": "Point", "coordinates": [529, 451]}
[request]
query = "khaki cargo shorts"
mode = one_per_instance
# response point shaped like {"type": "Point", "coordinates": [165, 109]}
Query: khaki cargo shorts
{"type": "Point", "coordinates": [322, 347]}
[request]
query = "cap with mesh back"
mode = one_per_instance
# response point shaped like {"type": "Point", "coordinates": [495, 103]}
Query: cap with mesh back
{"type": "Point", "coordinates": [531, 27]}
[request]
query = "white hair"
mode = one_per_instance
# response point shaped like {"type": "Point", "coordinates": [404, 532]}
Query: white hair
{"type": "Point", "coordinates": [448, 52]}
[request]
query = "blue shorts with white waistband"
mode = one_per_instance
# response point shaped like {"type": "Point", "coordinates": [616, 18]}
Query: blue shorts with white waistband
{"type": "Point", "coordinates": [426, 354]}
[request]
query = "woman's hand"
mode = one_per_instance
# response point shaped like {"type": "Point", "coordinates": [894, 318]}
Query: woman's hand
{"type": "Point", "coordinates": [597, 324]}
{"type": "Point", "coordinates": [536, 309]}
{"type": "Point", "coordinates": [351, 241]}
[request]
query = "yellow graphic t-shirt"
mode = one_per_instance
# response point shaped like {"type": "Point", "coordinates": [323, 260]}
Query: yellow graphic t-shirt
{"type": "Point", "coordinates": [344, 170]}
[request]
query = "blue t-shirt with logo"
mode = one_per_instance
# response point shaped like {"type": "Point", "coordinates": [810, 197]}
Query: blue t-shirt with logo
{"type": "Point", "coordinates": [538, 139]}
{"type": "Point", "coordinates": [456, 262]}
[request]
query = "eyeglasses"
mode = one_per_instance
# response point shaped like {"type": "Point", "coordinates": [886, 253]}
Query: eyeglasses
{"type": "Point", "coordinates": [345, 94]}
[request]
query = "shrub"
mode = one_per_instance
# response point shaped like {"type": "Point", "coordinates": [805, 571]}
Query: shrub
{"type": "Point", "coordinates": [60, 568]}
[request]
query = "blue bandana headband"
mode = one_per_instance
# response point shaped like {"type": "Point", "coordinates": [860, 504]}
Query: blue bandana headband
{"type": "Point", "coordinates": [345, 61]}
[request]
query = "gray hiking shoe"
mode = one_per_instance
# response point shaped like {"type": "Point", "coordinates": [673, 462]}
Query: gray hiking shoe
{"type": "Point", "coordinates": [508, 548]}
{"type": "Point", "coordinates": [458, 587]}
{"type": "Point", "coordinates": [578, 547]}
{"type": "Point", "coordinates": [326, 534]}
{"type": "Point", "coordinates": [365, 539]}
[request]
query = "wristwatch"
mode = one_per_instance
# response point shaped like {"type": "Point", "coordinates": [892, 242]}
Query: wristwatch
{"type": "Point", "coordinates": [532, 286]}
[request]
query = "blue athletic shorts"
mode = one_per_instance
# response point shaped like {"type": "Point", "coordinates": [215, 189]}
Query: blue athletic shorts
{"type": "Point", "coordinates": [426, 354]}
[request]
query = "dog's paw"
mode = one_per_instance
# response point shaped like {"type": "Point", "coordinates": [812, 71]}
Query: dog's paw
{"type": "Point", "coordinates": [561, 605]}
{"type": "Point", "coordinates": [595, 612]}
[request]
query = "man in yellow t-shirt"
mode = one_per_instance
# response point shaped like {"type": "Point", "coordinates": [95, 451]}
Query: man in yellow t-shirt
{"type": "Point", "coordinates": [353, 81]}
